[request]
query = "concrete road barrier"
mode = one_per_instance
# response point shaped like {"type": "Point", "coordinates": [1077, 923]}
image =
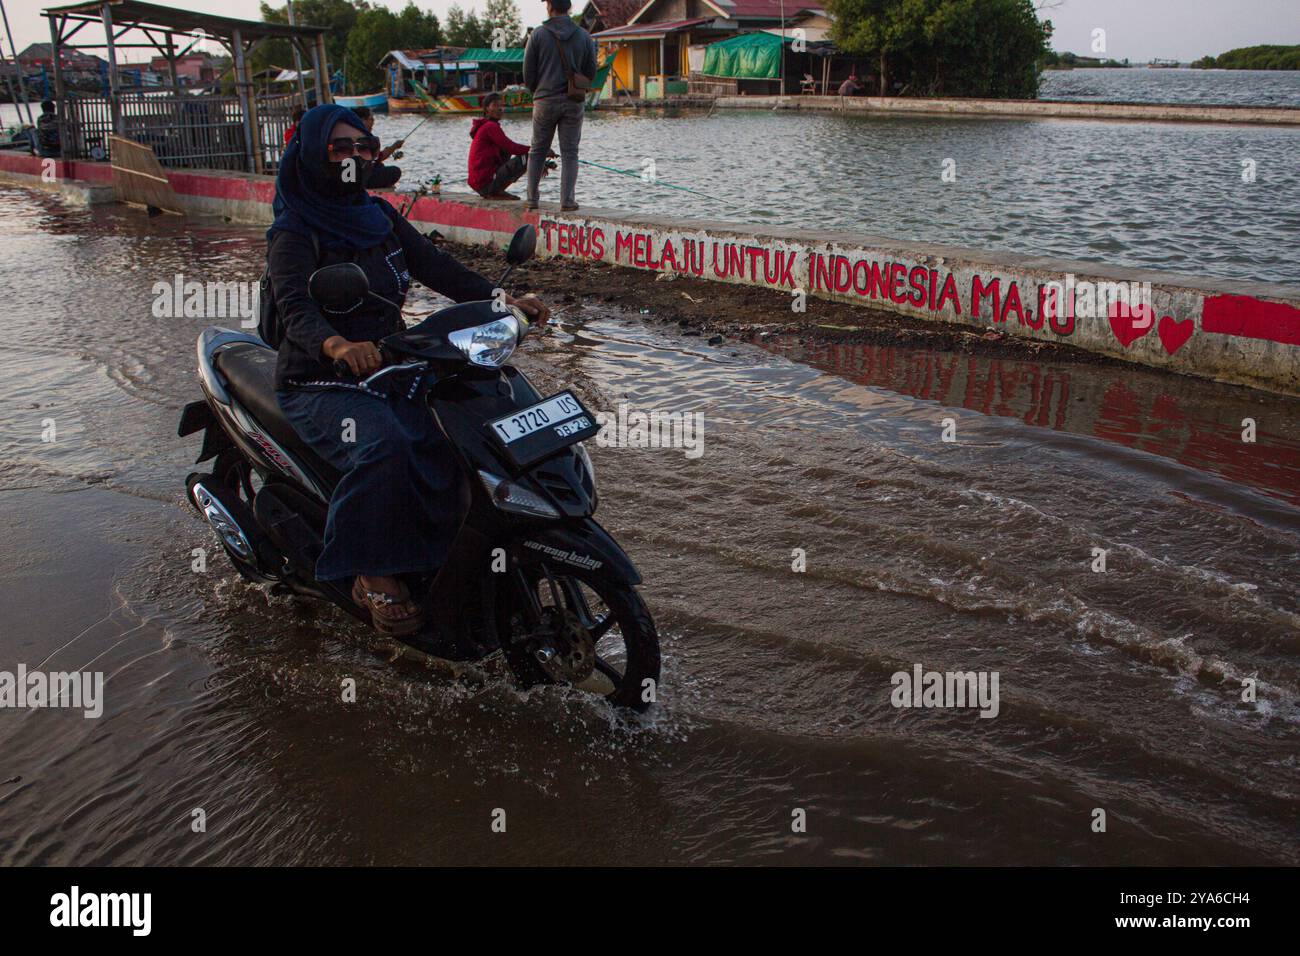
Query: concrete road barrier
{"type": "Point", "coordinates": [1246, 333]}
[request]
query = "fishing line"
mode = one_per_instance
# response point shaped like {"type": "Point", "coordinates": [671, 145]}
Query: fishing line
{"type": "Point", "coordinates": [612, 169]}
{"type": "Point", "coordinates": [658, 182]}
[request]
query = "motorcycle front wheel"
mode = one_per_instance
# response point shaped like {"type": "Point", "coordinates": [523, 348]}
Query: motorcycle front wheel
{"type": "Point", "coordinates": [585, 616]}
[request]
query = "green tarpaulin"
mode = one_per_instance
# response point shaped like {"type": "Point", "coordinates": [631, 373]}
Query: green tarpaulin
{"type": "Point", "coordinates": [487, 55]}
{"type": "Point", "coordinates": [749, 56]}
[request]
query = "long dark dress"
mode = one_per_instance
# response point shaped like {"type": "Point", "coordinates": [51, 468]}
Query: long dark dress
{"type": "Point", "coordinates": [392, 512]}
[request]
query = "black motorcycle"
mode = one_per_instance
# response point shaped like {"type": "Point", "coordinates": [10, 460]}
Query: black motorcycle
{"type": "Point", "coordinates": [531, 574]}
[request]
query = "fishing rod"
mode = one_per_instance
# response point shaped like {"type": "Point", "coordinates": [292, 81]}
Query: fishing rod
{"type": "Point", "coordinates": [417, 126]}
{"type": "Point", "coordinates": [402, 141]}
{"type": "Point", "coordinates": [657, 182]}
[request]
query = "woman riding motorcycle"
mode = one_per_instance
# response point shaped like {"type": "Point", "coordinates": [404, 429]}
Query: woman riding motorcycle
{"type": "Point", "coordinates": [392, 512]}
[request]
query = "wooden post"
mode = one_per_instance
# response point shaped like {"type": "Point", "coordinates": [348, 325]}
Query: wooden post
{"type": "Point", "coordinates": [245, 100]}
{"type": "Point", "coordinates": [170, 53]}
{"type": "Point", "coordinates": [56, 50]}
{"type": "Point", "coordinates": [114, 84]}
{"type": "Point", "coordinates": [171, 63]}
{"type": "Point", "coordinates": [322, 81]}
{"type": "Point", "coordinates": [297, 58]}
{"type": "Point", "coordinates": [259, 157]}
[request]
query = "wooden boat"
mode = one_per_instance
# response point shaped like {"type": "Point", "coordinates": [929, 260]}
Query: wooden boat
{"type": "Point", "coordinates": [516, 101]}
{"type": "Point", "coordinates": [406, 104]}
{"type": "Point", "coordinates": [377, 102]}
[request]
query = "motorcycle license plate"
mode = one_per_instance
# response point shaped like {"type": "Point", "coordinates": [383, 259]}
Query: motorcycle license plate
{"type": "Point", "coordinates": [532, 433]}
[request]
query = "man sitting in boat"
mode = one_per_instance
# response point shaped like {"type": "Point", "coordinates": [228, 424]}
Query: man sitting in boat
{"type": "Point", "coordinates": [47, 132]}
{"type": "Point", "coordinates": [495, 160]}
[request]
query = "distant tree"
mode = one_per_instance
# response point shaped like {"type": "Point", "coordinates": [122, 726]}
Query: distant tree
{"type": "Point", "coordinates": [454, 28]}
{"type": "Point", "coordinates": [339, 15]}
{"type": "Point", "coordinates": [1264, 57]}
{"type": "Point", "coordinates": [503, 15]}
{"type": "Point", "coordinates": [420, 29]}
{"type": "Point", "coordinates": [465, 29]}
{"type": "Point", "coordinates": [379, 30]}
{"type": "Point", "coordinates": [988, 48]}
{"type": "Point", "coordinates": [869, 28]}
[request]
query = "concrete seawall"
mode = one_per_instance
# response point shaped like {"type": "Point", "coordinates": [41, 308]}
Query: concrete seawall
{"type": "Point", "coordinates": [1025, 109]}
{"type": "Point", "coordinates": [1247, 333]}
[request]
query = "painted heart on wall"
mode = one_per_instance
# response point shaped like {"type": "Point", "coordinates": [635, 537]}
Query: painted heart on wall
{"type": "Point", "coordinates": [1130, 323]}
{"type": "Point", "coordinates": [1173, 334]}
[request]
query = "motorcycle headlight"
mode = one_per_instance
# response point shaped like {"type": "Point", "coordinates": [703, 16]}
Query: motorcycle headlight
{"type": "Point", "coordinates": [491, 344]}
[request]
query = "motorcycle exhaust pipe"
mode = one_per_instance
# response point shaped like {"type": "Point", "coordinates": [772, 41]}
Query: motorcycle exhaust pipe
{"type": "Point", "coordinates": [223, 522]}
{"type": "Point", "coordinates": [235, 527]}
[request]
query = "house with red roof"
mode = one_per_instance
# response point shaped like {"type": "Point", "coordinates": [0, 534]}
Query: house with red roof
{"type": "Point", "coordinates": [661, 42]}
{"type": "Point", "coordinates": [600, 15]}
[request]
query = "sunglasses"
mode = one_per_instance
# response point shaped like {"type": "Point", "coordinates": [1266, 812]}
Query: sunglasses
{"type": "Point", "coordinates": [346, 146]}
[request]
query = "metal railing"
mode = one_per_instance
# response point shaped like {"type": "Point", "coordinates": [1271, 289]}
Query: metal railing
{"type": "Point", "coordinates": [274, 113]}
{"type": "Point", "coordinates": [712, 85]}
{"type": "Point", "coordinates": [185, 130]}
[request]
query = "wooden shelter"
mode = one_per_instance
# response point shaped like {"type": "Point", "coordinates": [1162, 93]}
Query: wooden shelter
{"type": "Point", "coordinates": [206, 131]}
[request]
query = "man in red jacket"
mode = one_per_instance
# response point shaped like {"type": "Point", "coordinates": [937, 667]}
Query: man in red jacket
{"type": "Point", "coordinates": [495, 160]}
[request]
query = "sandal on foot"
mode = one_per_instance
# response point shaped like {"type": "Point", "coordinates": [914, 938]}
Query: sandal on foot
{"type": "Point", "coordinates": [393, 614]}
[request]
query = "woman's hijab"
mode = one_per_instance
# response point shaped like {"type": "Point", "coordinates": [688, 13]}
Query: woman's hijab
{"type": "Point", "coordinates": [313, 196]}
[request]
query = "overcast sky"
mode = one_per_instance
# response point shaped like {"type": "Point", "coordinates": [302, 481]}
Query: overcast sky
{"type": "Point", "coordinates": [1137, 29]}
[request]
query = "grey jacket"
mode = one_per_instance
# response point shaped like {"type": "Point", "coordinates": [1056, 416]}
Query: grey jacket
{"type": "Point", "coordinates": [543, 71]}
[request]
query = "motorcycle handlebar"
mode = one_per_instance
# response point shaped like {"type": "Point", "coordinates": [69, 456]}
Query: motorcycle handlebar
{"type": "Point", "coordinates": [342, 368]}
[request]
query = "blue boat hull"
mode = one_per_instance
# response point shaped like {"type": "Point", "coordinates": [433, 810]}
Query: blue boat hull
{"type": "Point", "coordinates": [378, 102]}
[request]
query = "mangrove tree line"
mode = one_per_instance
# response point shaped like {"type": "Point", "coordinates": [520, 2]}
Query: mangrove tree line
{"type": "Point", "coordinates": [983, 48]}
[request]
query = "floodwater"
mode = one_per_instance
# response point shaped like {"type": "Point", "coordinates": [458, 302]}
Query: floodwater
{"type": "Point", "coordinates": [1119, 691]}
{"type": "Point", "coordinates": [1199, 87]}
{"type": "Point", "coordinates": [1166, 196]}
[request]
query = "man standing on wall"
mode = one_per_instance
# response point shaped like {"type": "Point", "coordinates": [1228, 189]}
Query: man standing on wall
{"type": "Point", "coordinates": [559, 65]}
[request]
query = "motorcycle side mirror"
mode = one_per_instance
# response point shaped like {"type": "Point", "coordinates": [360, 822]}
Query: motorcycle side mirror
{"type": "Point", "coordinates": [523, 244]}
{"type": "Point", "coordinates": [338, 287]}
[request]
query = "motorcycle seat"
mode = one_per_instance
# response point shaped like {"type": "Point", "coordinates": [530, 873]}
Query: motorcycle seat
{"type": "Point", "coordinates": [249, 371]}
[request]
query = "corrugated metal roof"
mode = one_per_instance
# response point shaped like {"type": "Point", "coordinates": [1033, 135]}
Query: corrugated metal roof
{"type": "Point", "coordinates": [467, 57]}
{"type": "Point", "coordinates": [489, 55]}
{"type": "Point", "coordinates": [651, 29]}
{"type": "Point", "coordinates": [741, 9]}
{"type": "Point", "coordinates": [756, 8]}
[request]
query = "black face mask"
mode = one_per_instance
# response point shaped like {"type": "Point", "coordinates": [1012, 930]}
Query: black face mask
{"type": "Point", "coordinates": [354, 183]}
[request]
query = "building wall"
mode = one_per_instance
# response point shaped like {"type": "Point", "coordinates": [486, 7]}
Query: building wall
{"type": "Point", "coordinates": [622, 66]}
{"type": "Point", "coordinates": [665, 11]}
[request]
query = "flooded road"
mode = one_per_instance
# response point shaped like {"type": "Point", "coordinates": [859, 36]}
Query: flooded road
{"type": "Point", "coordinates": [1119, 691]}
